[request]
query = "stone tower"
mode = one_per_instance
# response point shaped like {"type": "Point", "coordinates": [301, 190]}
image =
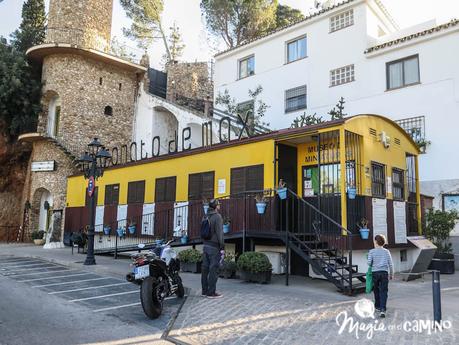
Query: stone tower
{"type": "Point", "coordinates": [87, 93]}
{"type": "Point", "coordinates": [85, 23]}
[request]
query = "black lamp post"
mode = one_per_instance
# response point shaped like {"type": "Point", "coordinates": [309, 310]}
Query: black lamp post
{"type": "Point", "coordinates": [93, 163]}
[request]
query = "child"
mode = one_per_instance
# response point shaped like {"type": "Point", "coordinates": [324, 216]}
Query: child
{"type": "Point", "coordinates": [380, 261]}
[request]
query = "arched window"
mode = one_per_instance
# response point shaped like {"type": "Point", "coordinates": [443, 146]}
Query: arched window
{"type": "Point", "coordinates": [108, 110]}
{"type": "Point", "coordinates": [54, 114]}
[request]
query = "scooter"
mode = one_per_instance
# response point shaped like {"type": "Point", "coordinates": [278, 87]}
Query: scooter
{"type": "Point", "coordinates": [157, 273]}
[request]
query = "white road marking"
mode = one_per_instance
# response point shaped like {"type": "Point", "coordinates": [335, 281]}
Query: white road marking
{"type": "Point", "coordinates": [103, 296]}
{"type": "Point", "coordinates": [15, 261]}
{"type": "Point", "coordinates": [30, 268]}
{"type": "Point", "coordinates": [72, 282]}
{"type": "Point", "coordinates": [70, 275]}
{"type": "Point", "coordinates": [41, 272]}
{"type": "Point", "coordinates": [117, 307]}
{"type": "Point", "coordinates": [450, 289]}
{"type": "Point", "coordinates": [87, 288]}
{"type": "Point", "coordinates": [25, 265]}
{"type": "Point", "coordinates": [170, 297]}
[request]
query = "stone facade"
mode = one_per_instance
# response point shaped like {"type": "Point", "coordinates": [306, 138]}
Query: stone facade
{"type": "Point", "coordinates": [189, 82]}
{"type": "Point", "coordinates": [55, 182]}
{"type": "Point", "coordinates": [85, 88]}
{"type": "Point", "coordinates": [85, 23]}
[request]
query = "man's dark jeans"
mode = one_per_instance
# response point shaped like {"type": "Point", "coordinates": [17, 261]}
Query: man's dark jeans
{"type": "Point", "coordinates": [380, 287]}
{"type": "Point", "coordinates": [209, 269]}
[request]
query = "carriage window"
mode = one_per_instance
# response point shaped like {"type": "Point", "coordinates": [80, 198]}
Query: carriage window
{"type": "Point", "coordinates": [165, 189]}
{"type": "Point", "coordinates": [398, 185]}
{"type": "Point", "coordinates": [201, 186]}
{"type": "Point", "coordinates": [136, 192]}
{"type": "Point", "coordinates": [378, 180]}
{"type": "Point", "coordinates": [246, 179]}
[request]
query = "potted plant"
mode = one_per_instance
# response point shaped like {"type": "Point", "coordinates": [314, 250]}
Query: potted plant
{"type": "Point", "coordinates": [37, 237]}
{"type": "Point", "coordinates": [226, 225]}
{"type": "Point", "coordinates": [261, 201]}
{"type": "Point", "coordinates": [363, 229]}
{"type": "Point", "coordinates": [254, 267]}
{"type": "Point", "coordinates": [121, 231]}
{"type": "Point", "coordinates": [132, 227]}
{"type": "Point", "coordinates": [190, 260]}
{"type": "Point", "coordinates": [107, 229]}
{"type": "Point", "coordinates": [205, 205]}
{"type": "Point", "coordinates": [439, 225]}
{"type": "Point", "coordinates": [228, 267]}
{"type": "Point", "coordinates": [282, 189]}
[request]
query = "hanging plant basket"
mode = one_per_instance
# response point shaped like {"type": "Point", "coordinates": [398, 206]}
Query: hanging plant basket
{"type": "Point", "coordinates": [282, 192]}
{"type": "Point", "coordinates": [107, 230]}
{"type": "Point", "coordinates": [184, 239]}
{"type": "Point", "coordinates": [226, 228]}
{"type": "Point", "coordinates": [131, 229]}
{"type": "Point", "coordinates": [351, 192]}
{"type": "Point", "coordinates": [261, 207]}
{"type": "Point", "coordinates": [120, 232]}
{"type": "Point", "coordinates": [364, 233]}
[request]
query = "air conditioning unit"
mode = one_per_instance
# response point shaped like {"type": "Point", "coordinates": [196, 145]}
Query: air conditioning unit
{"type": "Point", "coordinates": [385, 139]}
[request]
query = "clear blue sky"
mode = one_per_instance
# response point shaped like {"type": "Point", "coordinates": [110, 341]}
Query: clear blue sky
{"type": "Point", "coordinates": [187, 15]}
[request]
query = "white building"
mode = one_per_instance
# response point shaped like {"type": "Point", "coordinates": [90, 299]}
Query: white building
{"type": "Point", "coordinates": [355, 50]}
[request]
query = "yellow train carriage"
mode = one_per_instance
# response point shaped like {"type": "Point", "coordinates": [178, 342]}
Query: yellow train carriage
{"type": "Point", "coordinates": [164, 196]}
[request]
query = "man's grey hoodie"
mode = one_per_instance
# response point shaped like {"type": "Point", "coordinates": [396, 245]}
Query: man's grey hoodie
{"type": "Point", "coordinates": [216, 228]}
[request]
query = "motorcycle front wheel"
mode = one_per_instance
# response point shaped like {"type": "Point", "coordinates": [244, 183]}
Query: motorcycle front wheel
{"type": "Point", "coordinates": [149, 296]}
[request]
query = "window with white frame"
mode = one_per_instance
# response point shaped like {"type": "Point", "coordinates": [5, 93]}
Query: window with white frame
{"type": "Point", "coordinates": [295, 99]}
{"type": "Point", "coordinates": [403, 72]}
{"type": "Point", "coordinates": [246, 67]}
{"type": "Point", "coordinates": [342, 20]}
{"type": "Point", "coordinates": [342, 75]}
{"type": "Point", "coordinates": [296, 49]}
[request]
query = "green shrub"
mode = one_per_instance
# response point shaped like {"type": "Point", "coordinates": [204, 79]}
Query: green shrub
{"type": "Point", "coordinates": [190, 256]}
{"type": "Point", "coordinates": [254, 262]}
{"type": "Point", "coordinates": [37, 235]}
{"type": "Point", "coordinates": [438, 228]}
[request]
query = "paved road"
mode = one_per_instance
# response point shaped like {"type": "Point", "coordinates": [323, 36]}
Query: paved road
{"type": "Point", "coordinates": [47, 303]}
{"type": "Point", "coordinates": [302, 314]}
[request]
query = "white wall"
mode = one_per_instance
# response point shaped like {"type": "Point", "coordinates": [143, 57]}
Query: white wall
{"type": "Point", "coordinates": [436, 97]}
{"type": "Point", "coordinates": [46, 196]}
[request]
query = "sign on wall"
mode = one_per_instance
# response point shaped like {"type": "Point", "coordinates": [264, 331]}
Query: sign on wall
{"type": "Point", "coordinates": [379, 217]}
{"type": "Point", "coordinates": [122, 215]}
{"type": "Point", "coordinates": [400, 222]}
{"type": "Point", "coordinates": [99, 220]}
{"type": "Point", "coordinates": [221, 186]}
{"type": "Point", "coordinates": [43, 166]}
{"type": "Point", "coordinates": [148, 219]}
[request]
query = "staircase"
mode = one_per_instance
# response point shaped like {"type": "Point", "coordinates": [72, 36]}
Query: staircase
{"type": "Point", "coordinates": [324, 244]}
{"type": "Point", "coordinates": [63, 143]}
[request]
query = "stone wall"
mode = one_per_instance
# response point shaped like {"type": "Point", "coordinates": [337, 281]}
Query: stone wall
{"type": "Point", "coordinates": [53, 181]}
{"type": "Point", "coordinates": [189, 80]}
{"type": "Point", "coordinates": [86, 23]}
{"type": "Point", "coordinates": [85, 88]}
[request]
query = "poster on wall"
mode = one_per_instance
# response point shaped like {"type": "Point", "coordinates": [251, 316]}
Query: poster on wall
{"type": "Point", "coordinates": [180, 219]}
{"type": "Point", "coordinates": [99, 219]}
{"type": "Point", "coordinates": [400, 222]}
{"type": "Point", "coordinates": [148, 219]}
{"type": "Point", "coordinates": [221, 186]}
{"type": "Point", "coordinates": [451, 202]}
{"type": "Point", "coordinates": [122, 215]}
{"type": "Point", "coordinates": [379, 217]}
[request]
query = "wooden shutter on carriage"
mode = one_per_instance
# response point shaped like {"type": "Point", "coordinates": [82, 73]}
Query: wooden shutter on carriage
{"type": "Point", "coordinates": [136, 192]}
{"type": "Point", "coordinates": [249, 178]}
{"type": "Point", "coordinates": [112, 194]}
{"type": "Point", "coordinates": [201, 186]}
{"type": "Point", "coordinates": [165, 189]}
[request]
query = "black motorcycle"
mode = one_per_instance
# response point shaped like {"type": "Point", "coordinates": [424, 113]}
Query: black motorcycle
{"type": "Point", "coordinates": [157, 273]}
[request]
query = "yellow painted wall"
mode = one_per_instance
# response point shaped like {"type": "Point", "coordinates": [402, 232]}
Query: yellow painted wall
{"type": "Point", "coordinates": [373, 150]}
{"type": "Point", "coordinates": [221, 161]}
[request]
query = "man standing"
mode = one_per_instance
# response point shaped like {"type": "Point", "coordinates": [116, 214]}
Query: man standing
{"type": "Point", "coordinates": [212, 251]}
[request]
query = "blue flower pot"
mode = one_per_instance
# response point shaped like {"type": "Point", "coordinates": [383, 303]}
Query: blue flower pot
{"type": "Point", "coordinates": [107, 230]}
{"type": "Point", "coordinates": [261, 207]}
{"type": "Point", "coordinates": [131, 229]}
{"type": "Point", "coordinates": [351, 192]}
{"type": "Point", "coordinates": [282, 192]}
{"type": "Point", "coordinates": [184, 239]}
{"type": "Point", "coordinates": [226, 228]}
{"type": "Point", "coordinates": [120, 232]}
{"type": "Point", "coordinates": [159, 242]}
{"type": "Point", "coordinates": [364, 234]}
{"type": "Point", "coordinates": [205, 207]}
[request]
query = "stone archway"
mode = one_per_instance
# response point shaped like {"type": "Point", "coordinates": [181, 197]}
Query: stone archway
{"type": "Point", "coordinates": [41, 209]}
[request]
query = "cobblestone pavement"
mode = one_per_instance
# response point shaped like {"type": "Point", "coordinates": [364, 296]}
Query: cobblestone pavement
{"type": "Point", "coordinates": [254, 314]}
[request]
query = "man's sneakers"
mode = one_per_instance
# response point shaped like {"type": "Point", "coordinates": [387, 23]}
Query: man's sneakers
{"type": "Point", "coordinates": [203, 294]}
{"type": "Point", "coordinates": [382, 314]}
{"type": "Point", "coordinates": [215, 296]}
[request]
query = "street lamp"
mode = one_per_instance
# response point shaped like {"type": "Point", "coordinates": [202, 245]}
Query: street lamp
{"type": "Point", "coordinates": [92, 164]}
